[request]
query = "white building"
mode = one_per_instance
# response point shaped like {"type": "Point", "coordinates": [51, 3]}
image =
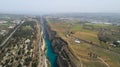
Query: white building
{"type": "Point", "coordinates": [77, 41]}
{"type": "Point", "coordinates": [118, 41]}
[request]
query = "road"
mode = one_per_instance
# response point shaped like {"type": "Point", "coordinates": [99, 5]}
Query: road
{"type": "Point", "coordinates": [95, 45]}
{"type": "Point", "coordinates": [4, 42]}
{"type": "Point", "coordinates": [42, 56]}
{"type": "Point", "coordinates": [104, 62]}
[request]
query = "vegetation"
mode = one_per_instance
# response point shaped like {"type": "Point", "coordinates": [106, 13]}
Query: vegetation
{"type": "Point", "coordinates": [101, 53]}
{"type": "Point", "coordinates": [18, 52]}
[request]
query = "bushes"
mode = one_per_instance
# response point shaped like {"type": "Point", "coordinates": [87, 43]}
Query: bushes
{"type": "Point", "coordinates": [35, 63]}
{"type": "Point", "coordinates": [19, 65]}
{"type": "Point", "coordinates": [26, 30]}
{"type": "Point", "coordinates": [108, 36]}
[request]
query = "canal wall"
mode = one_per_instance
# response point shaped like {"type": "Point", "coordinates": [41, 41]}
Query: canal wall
{"type": "Point", "coordinates": [65, 57]}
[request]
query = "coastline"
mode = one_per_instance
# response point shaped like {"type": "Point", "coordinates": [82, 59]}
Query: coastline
{"type": "Point", "coordinates": [47, 63]}
{"type": "Point", "coordinates": [43, 47]}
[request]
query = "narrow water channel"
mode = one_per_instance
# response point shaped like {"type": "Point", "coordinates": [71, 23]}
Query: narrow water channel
{"type": "Point", "coordinates": [52, 57]}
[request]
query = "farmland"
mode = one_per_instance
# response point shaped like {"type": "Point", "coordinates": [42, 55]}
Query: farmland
{"type": "Point", "coordinates": [91, 51]}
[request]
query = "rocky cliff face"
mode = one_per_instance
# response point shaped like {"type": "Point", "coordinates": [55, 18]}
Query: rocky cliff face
{"type": "Point", "coordinates": [65, 57]}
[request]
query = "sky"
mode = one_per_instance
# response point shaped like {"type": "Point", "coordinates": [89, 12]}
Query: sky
{"type": "Point", "coordinates": [59, 6]}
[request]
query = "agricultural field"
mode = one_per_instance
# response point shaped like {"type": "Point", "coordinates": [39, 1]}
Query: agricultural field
{"type": "Point", "coordinates": [94, 49]}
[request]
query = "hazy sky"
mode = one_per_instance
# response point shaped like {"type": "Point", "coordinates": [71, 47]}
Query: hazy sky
{"type": "Point", "coordinates": [59, 6]}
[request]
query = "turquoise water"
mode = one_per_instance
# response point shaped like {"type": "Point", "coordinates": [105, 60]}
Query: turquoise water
{"type": "Point", "coordinates": [50, 54]}
{"type": "Point", "coordinates": [52, 57]}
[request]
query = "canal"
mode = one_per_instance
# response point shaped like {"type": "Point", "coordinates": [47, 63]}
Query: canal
{"type": "Point", "coordinates": [52, 57]}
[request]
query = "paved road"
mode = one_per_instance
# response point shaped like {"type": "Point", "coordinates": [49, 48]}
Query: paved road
{"type": "Point", "coordinates": [4, 42]}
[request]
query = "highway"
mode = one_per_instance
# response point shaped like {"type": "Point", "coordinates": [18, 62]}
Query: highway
{"type": "Point", "coordinates": [4, 42]}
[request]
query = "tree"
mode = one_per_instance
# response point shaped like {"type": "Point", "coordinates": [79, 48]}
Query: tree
{"type": "Point", "coordinates": [19, 65]}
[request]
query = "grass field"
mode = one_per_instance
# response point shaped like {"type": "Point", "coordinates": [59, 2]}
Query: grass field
{"type": "Point", "coordinates": [4, 26]}
{"type": "Point", "coordinates": [99, 25]}
{"type": "Point", "coordinates": [81, 50]}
